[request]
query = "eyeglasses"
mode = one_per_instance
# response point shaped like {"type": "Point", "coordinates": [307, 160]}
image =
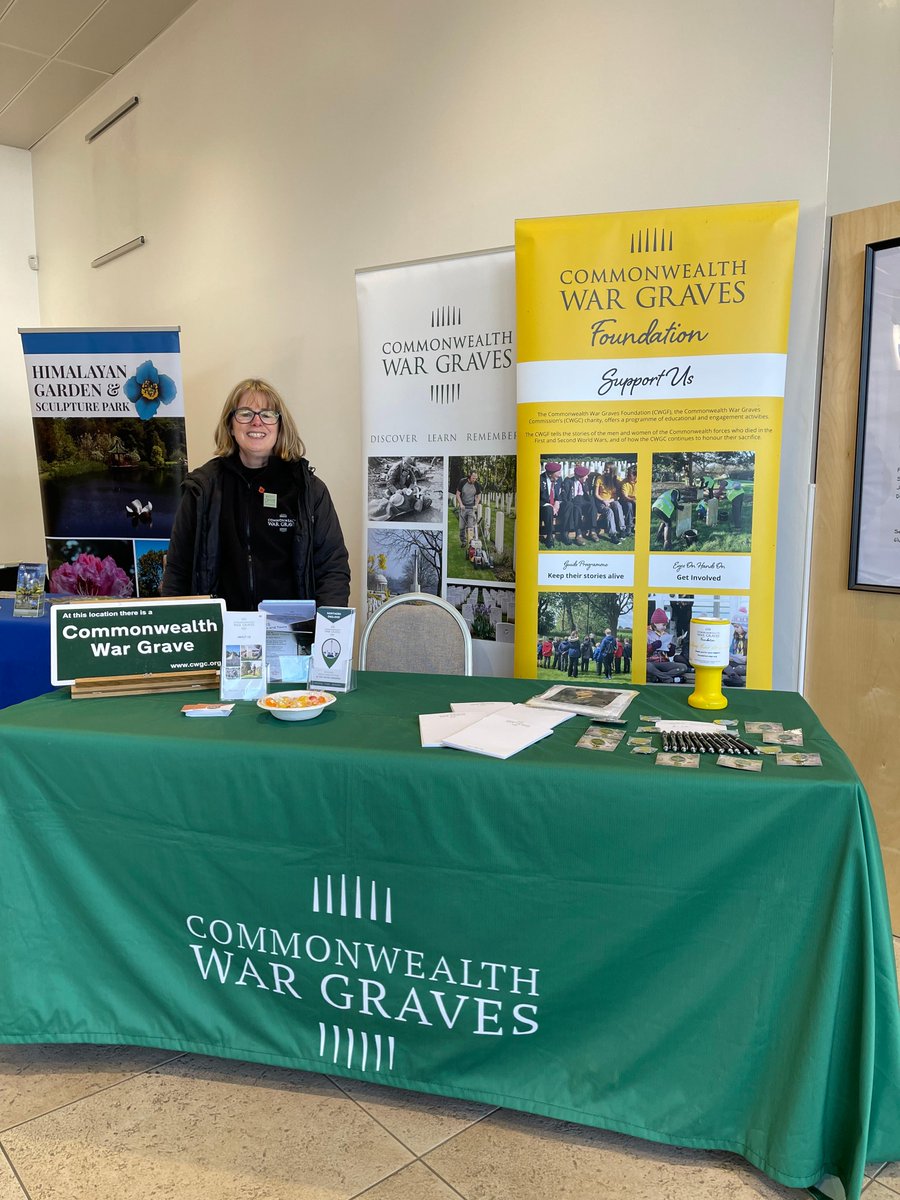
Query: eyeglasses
{"type": "Point", "coordinates": [245, 416]}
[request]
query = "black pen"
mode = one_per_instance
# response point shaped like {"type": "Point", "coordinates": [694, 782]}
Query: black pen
{"type": "Point", "coordinates": [746, 747]}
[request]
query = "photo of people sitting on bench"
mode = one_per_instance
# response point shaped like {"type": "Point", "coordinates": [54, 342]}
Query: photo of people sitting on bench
{"type": "Point", "coordinates": [588, 501]}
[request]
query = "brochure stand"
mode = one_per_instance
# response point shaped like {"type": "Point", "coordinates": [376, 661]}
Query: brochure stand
{"type": "Point", "coordinates": [331, 665]}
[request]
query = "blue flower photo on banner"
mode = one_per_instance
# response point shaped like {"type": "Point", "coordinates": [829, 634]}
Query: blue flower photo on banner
{"type": "Point", "coordinates": [147, 389]}
{"type": "Point", "coordinates": [110, 460]}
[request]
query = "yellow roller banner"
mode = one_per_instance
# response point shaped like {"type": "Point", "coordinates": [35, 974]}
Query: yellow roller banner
{"type": "Point", "coordinates": [651, 361]}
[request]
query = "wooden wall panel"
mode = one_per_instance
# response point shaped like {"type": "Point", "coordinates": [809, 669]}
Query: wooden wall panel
{"type": "Point", "coordinates": [852, 653]}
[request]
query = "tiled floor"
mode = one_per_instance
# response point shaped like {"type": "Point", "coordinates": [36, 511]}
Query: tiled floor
{"type": "Point", "coordinates": [113, 1123]}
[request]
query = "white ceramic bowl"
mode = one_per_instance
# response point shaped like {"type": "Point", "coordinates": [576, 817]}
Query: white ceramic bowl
{"type": "Point", "coordinates": [296, 714]}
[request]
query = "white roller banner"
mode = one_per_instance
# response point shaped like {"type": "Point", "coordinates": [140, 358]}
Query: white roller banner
{"type": "Point", "coordinates": [438, 387]}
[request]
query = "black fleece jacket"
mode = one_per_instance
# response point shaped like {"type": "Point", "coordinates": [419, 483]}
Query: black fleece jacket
{"type": "Point", "coordinates": [318, 559]}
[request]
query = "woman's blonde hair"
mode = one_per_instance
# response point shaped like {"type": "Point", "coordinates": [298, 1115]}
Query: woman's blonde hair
{"type": "Point", "coordinates": [288, 445]}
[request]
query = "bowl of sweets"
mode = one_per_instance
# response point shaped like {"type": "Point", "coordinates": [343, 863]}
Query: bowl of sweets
{"type": "Point", "coordinates": [296, 706]}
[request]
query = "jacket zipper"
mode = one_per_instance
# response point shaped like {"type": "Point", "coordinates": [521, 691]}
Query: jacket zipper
{"type": "Point", "coordinates": [249, 550]}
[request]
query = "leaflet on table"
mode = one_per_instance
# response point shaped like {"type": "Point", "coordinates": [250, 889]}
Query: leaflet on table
{"type": "Point", "coordinates": [211, 709]}
{"type": "Point", "coordinates": [243, 656]}
{"type": "Point", "coordinates": [438, 729]}
{"type": "Point", "coordinates": [331, 665]}
{"type": "Point", "coordinates": [481, 708]}
{"type": "Point", "coordinates": [502, 734]}
{"type": "Point", "coordinates": [29, 601]}
{"type": "Point", "coordinates": [288, 638]}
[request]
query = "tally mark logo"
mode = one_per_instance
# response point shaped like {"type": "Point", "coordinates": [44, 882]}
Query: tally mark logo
{"type": "Point", "coordinates": [348, 900]}
{"type": "Point", "coordinates": [351, 1043]}
{"type": "Point", "coordinates": [444, 393]}
{"type": "Point", "coordinates": [445, 315]}
{"type": "Point", "coordinates": [651, 241]}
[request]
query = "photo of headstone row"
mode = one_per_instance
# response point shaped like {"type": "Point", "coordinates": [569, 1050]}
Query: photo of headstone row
{"type": "Point", "coordinates": [490, 613]}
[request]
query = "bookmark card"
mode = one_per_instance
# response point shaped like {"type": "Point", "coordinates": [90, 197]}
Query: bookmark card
{"type": "Point", "coordinates": [787, 737]}
{"type": "Point", "coordinates": [799, 760]}
{"type": "Point", "coordinates": [643, 750]}
{"type": "Point", "coordinates": [677, 760]}
{"type": "Point", "coordinates": [640, 741]}
{"type": "Point", "coordinates": [243, 656]}
{"type": "Point", "coordinates": [739, 763]}
{"type": "Point", "coordinates": [763, 727]}
{"type": "Point", "coordinates": [598, 738]}
{"type": "Point", "coordinates": [332, 653]}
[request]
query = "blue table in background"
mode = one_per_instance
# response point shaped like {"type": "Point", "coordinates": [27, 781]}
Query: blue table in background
{"type": "Point", "coordinates": [24, 654]}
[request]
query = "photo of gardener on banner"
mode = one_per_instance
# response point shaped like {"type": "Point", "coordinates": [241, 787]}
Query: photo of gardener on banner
{"type": "Point", "coordinates": [702, 502]}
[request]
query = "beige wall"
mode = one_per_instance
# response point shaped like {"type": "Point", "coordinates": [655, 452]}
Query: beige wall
{"type": "Point", "coordinates": [280, 144]}
{"type": "Point", "coordinates": [864, 161]}
{"type": "Point", "coordinates": [21, 524]}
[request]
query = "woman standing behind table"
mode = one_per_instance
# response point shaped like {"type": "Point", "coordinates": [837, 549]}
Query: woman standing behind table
{"type": "Point", "coordinates": [255, 523]}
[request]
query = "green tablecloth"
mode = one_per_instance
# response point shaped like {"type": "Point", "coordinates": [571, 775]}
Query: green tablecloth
{"type": "Point", "coordinates": [701, 957]}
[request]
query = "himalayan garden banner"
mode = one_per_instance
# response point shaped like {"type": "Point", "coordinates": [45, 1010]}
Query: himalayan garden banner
{"type": "Point", "coordinates": [437, 354]}
{"type": "Point", "coordinates": [651, 363]}
{"type": "Point", "coordinates": [108, 415]}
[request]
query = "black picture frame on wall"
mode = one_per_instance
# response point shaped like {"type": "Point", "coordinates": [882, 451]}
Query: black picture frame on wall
{"type": "Point", "coordinates": [875, 524]}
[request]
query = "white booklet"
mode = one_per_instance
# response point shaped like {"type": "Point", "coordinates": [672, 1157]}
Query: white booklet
{"type": "Point", "coordinates": [434, 727]}
{"type": "Point", "coordinates": [502, 734]}
{"type": "Point", "coordinates": [481, 708]}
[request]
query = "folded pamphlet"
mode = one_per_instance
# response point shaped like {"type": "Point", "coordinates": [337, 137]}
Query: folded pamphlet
{"type": "Point", "coordinates": [503, 734]}
{"type": "Point", "coordinates": [434, 727]}
{"type": "Point", "coordinates": [481, 708]}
